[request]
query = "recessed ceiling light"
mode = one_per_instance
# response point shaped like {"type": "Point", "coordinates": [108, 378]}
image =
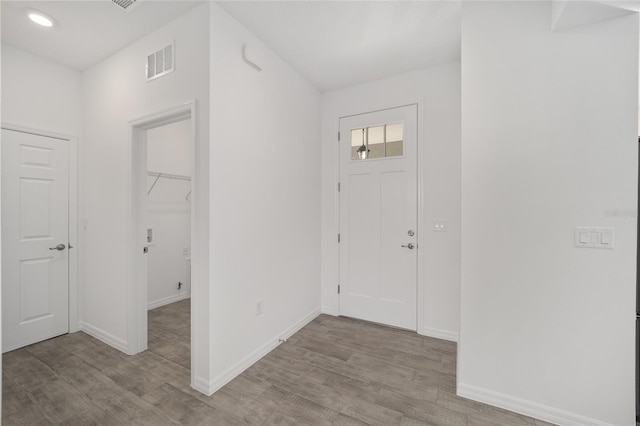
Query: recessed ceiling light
{"type": "Point", "coordinates": [40, 18]}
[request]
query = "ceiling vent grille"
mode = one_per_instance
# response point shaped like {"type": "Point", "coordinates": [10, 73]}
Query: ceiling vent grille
{"type": "Point", "coordinates": [161, 62]}
{"type": "Point", "coordinates": [125, 4]}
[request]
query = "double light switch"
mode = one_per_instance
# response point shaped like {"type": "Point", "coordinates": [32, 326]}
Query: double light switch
{"type": "Point", "coordinates": [595, 237]}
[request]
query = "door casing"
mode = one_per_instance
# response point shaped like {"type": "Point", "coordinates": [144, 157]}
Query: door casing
{"type": "Point", "coordinates": [75, 314]}
{"type": "Point", "coordinates": [420, 231]}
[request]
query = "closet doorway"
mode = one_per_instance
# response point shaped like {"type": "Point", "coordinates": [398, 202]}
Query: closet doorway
{"type": "Point", "coordinates": [169, 241]}
{"type": "Point", "coordinates": [168, 213]}
{"type": "Point", "coordinates": [163, 226]}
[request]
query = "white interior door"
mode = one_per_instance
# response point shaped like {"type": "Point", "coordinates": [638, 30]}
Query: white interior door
{"type": "Point", "coordinates": [35, 236]}
{"type": "Point", "coordinates": [378, 216]}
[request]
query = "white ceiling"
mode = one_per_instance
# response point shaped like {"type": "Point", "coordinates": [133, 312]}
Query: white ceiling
{"type": "Point", "coordinates": [332, 43]}
{"type": "Point", "coordinates": [87, 31]}
{"type": "Point", "coordinates": [340, 43]}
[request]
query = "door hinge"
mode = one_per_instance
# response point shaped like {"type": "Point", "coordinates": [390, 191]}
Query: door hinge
{"type": "Point", "coordinates": [338, 288]}
{"type": "Point", "coordinates": [145, 249]}
{"type": "Point", "coordinates": [338, 186]}
{"type": "Point", "coordinates": [338, 136]}
{"type": "Point", "coordinates": [338, 237]}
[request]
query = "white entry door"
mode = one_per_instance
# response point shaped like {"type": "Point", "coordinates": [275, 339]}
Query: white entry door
{"type": "Point", "coordinates": [35, 236]}
{"type": "Point", "coordinates": [378, 216]}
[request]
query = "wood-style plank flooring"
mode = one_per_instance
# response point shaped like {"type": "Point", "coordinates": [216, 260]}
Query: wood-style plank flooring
{"type": "Point", "coordinates": [335, 371]}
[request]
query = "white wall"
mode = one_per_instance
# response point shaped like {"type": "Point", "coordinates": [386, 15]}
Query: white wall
{"type": "Point", "coordinates": [169, 148]}
{"type": "Point", "coordinates": [169, 217]}
{"type": "Point", "coordinates": [265, 200]}
{"type": "Point", "coordinates": [549, 142]}
{"type": "Point", "coordinates": [169, 212]}
{"type": "Point", "coordinates": [438, 88]}
{"type": "Point", "coordinates": [115, 92]}
{"type": "Point", "coordinates": [39, 94]}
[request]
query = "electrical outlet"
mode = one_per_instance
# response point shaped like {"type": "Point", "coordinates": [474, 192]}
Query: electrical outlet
{"type": "Point", "coordinates": [259, 307]}
{"type": "Point", "coordinates": [439, 225]}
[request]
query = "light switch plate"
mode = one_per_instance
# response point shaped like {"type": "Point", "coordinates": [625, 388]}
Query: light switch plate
{"type": "Point", "coordinates": [592, 237]}
{"type": "Point", "coordinates": [151, 235]}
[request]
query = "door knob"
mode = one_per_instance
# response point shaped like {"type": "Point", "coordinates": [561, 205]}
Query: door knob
{"type": "Point", "coordinates": [58, 247]}
{"type": "Point", "coordinates": [410, 246]}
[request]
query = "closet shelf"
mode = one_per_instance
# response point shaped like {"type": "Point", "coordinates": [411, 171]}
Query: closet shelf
{"type": "Point", "coordinates": [169, 175]}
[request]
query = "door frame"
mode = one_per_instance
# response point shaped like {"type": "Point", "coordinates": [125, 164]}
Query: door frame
{"type": "Point", "coordinates": [75, 254]}
{"type": "Point", "coordinates": [137, 287]}
{"type": "Point", "coordinates": [420, 228]}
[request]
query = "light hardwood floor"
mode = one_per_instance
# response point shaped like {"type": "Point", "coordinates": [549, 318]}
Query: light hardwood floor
{"type": "Point", "coordinates": [335, 371]}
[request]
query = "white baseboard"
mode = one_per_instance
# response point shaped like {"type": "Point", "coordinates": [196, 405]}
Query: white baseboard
{"type": "Point", "coordinates": [103, 336]}
{"type": "Point", "coordinates": [235, 370]}
{"type": "Point", "coordinates": [438, 334]}
{"type": "Point", "coordinates": [167, 300]}
{"type": "Point", "coordinates": [202, 385]}
{"type": "Point", "coordinates": [329, 310]}
{"type": "Point", "coordinates": [527, 408]}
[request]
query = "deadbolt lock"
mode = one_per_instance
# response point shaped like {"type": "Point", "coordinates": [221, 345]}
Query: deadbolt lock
{"type": "Point", "coordinates": [411, 233]}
